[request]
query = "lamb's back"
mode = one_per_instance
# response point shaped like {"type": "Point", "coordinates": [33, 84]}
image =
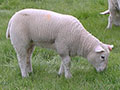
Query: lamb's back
{"type": "Point", "coordinates": [47, 26]}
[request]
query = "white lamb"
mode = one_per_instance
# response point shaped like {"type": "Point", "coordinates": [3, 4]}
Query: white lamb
{"type": "Point", "coordinates": [64, 33]}
{"type": "Point", "coordinates": [114, 11]}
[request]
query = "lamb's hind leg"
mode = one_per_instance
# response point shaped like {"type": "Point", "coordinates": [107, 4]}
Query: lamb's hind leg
{"type": "Point", "coordinates": [22, 60]}
{"type": "Point", "coordinates": [21, 47]}
{"type": "Point", "coordinates": [29, 58]}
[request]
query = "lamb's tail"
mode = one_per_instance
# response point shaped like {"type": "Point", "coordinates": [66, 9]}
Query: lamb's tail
{"type": "Point", "coordinates": [105, 12]}
{"type": "Point", "coordinates": [8, 30]}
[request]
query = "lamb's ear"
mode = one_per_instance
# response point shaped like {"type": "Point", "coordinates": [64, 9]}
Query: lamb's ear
{"type": "Point", "coordinates": [110, 47]}
{"type": "Point", "coordinates": [99, 49]}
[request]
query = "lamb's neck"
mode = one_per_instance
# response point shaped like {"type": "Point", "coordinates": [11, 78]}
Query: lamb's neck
{"type": "Point", "coordinates": [87, 43]}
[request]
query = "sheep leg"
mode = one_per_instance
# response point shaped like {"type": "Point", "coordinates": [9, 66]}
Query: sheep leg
{"type": "Point", "coordinates": [22, 65]}
{"type": "Point", "coordinates": [66, 64]}
{"type": "Point", "coordinates": [22, 60]}
{"type": "Point", "coordinates": [63, 51]}
{"type": "Point", "coordinates": [22, 55]}
{"type": "Point", "coordinates": [110, 22]}
{"type": "Point", "coordinates": [61, 70]}
{"type": "Point", "coordinates": [29, 56]}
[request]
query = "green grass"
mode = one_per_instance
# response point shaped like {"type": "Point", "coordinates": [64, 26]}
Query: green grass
{"type": "Point", "coordinates": [46, 62]}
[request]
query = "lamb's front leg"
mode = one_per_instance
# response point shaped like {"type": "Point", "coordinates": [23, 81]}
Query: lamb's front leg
{"type": "Point", "coordinates": [66, 61]}
{"type": "Point", "coordinates": [63, 51]}
{"type": "Point", "coordinates": [61, 70]}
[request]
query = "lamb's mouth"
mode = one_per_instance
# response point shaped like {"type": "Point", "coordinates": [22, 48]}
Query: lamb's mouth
{"type": "Point", "coordinates": [100, 69]}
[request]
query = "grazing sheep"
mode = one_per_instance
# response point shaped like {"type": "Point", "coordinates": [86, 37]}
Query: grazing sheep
{"type": "Point", "coordinates": [114, 11]}
{"type": "Point", "coordinates": [64, 33]}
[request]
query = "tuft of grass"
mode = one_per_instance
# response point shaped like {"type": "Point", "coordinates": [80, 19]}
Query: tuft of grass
{"type": "Point", "coordinates": [46, 62]}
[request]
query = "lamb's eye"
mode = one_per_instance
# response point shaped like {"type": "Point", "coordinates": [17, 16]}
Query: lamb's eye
{"type": "Point", "coordinates": [103, 57]}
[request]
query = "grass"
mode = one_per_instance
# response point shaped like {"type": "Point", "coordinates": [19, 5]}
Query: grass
{"type": "Point", "coordinates": [46, 62]}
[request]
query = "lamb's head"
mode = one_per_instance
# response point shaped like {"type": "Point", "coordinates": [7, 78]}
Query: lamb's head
{"type": "Point", "coordinates": [98, 57]}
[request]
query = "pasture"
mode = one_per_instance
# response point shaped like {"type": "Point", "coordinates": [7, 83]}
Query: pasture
{"type": "Point", "coordinates": [46, 62]}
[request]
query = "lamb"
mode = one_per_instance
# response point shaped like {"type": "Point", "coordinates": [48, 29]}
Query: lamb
{"type": "Point", "coordinates": [114, 11]}
{"type": "Point", "coordinates": [64, 33]}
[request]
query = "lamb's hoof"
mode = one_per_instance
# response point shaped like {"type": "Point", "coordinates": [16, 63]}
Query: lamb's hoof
{"type": "Point", "coordinates": [30, 73]}
{"type": "Point", "coordinates": [68, 76]}
{"type": "Point", "coordinates": [108, 27]}
{"type": "Point", "coordinates": [25, 75]}
{"type": "Point", "coordinates": [60, 74]}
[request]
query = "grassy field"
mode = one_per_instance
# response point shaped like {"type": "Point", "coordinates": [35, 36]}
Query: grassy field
{"type": "Point", "coordinates": [46, 62]}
